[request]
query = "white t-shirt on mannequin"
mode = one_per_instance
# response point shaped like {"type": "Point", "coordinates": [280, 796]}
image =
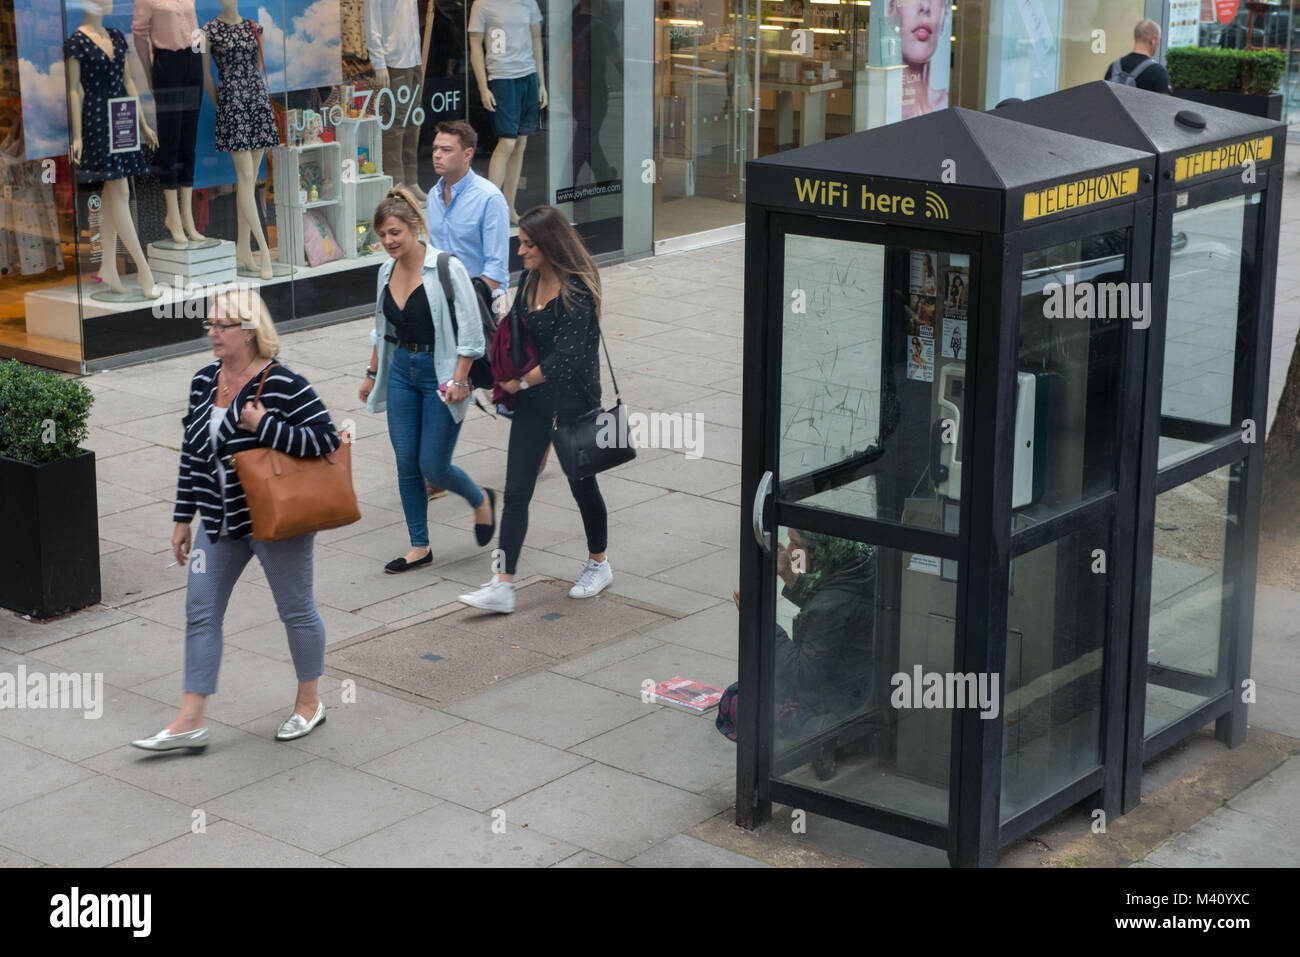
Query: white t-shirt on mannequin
{"type": "Point", "coordinates": [511, 56]}
{"type": "Point", "coordinates": [393, 33]}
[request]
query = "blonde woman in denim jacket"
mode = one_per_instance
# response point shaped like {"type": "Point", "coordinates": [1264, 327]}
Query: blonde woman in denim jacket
{"type": "Point", "coordinates": [419, 373]}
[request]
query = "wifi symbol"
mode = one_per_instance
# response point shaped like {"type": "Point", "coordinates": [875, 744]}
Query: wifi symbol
{"type": "Point", "coordinates": [935, 207]}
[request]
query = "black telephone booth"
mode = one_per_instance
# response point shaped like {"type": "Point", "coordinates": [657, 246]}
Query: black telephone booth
{"type": "Point", "coordinates": [1214, 262]}
{"type": "Point", "coordinates": [936, 594]}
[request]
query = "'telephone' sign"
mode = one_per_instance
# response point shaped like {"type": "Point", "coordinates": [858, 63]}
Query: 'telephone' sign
{"type": "Point", "coordinates": [1078, 193]}
{"type": "Point", "coordinates": [1228, 156]}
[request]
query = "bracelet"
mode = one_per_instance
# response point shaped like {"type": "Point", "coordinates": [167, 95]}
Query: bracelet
{"type": "Point", "coordinates": [371, 373]}
{"type": "Point", "coordinates": [465, 384]}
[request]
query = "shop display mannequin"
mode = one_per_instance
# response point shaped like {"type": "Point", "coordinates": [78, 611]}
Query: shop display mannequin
{"type": "Point", "coordinates": [165, 33]}
{"type": "Point", "coordinates": [245, 121]}
{"type": "Point", "coordinates": [509, 81]}
{"type": "Point", "coordinates": [392, 34]}
{"type": "Point", "coordinates": [94, 77]}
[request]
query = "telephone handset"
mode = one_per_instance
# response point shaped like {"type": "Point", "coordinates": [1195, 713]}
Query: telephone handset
{"type": "Point", "coordinates": [945, 466]}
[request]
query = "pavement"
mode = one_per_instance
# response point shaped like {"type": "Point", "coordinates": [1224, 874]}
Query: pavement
{"type": "Point", "coordinates": [457, 738]}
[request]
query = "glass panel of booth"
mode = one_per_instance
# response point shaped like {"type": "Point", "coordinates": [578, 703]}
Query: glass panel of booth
{"type": "Point", "coordinates": [863, 657]}
{"type": "Point", "coordinates": [1211, 289]}
{"type": "Point", "coordinates": [1057, 610]}
{"type": "Point", "coordinates": [872, 395]}
{"type": "Point", "coordinates": [1076, 301]}
{"type": "Point", "coordinates": [1191, 636]}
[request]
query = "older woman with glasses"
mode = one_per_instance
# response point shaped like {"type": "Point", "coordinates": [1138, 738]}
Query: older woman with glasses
{"type": "Point", "coordinates": [225, 418]}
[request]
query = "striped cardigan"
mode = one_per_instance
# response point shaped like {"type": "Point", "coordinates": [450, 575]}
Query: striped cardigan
{"type": "Point", "coordinates": [296, 423]}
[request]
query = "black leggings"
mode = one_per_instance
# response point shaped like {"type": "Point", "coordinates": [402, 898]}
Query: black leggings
{"type": "Point", "coordinates": [530, 434]}
{"type": "Point", "coordinates": [178, 95]}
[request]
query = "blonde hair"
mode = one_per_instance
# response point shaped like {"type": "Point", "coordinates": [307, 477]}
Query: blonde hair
{"type": "Point", "coordinates": [243, 303]}
{"type": "Point", "coordinates": [400, 204]}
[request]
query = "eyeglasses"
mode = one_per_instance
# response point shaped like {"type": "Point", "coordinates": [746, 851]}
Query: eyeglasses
{"type": "Point", "coordinates": [208, 326]}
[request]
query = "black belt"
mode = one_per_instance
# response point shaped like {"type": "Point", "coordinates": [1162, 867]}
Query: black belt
{"type": "Point", "coordinates": [410, 346]}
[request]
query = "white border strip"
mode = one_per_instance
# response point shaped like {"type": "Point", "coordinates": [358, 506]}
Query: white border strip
{"type": "Point", "coordinates": [710, 237]}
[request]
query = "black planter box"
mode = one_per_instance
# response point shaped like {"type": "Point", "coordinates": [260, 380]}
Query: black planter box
{"type": "Point", "coordinates": [49, 536]}
{"type": "Point", "coordinates": [1256, 104]}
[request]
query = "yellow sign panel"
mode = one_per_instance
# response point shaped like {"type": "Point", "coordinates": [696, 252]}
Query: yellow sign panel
{"type": "Point", "coordinates": [1078, 193]}
{"type": "Point", "coordinates": [1228, 156]}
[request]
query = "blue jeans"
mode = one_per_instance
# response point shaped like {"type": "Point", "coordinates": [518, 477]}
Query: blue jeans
{"type": "Point", "coordinates": [423, 434]}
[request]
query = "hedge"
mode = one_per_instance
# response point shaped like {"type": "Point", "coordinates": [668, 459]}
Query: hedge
{"type": "Point", "coordinates": [1225, 71]}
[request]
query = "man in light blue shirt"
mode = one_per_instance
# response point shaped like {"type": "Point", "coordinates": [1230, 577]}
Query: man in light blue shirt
{"type": "Point", "coordinates": [467, 215]}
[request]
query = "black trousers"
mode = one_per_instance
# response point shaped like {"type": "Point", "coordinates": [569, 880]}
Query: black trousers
{"type": "Point", "coordinates": [530, 434]}
{"type": "Point", "coordinates": [177, 97]}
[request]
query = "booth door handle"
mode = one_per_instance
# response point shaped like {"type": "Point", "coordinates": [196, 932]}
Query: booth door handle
{"type": "Point", "coordinates": [764, 538]}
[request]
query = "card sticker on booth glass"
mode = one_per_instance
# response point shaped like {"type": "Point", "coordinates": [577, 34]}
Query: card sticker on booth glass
{"type": "Point", "coordinates": [920, 356]}
{"type": "Point", "coordinates": [956, 297]}
{"type": "Point", "coordinates": [922, 276]}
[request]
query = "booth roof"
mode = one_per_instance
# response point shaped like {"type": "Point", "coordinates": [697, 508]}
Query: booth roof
{"type": "Point", "coordinates": [980, 150]}
{"type": "Point", "coordinates": [1138, 119]}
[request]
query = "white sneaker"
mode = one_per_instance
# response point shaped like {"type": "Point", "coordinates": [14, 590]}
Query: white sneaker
{"type": "Point", "coordinates": [494, 596]}
{"type": "Point", "coordinates": [593, 580]}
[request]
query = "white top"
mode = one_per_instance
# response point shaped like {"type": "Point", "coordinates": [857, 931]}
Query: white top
{"type": "Point", "coordinates": [214, 430]}
{"type": "Point", "coordinates": [393, 33]}
{"type": "Point", "coordinates": [509, 52]}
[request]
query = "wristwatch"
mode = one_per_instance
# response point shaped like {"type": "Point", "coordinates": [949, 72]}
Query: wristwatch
{"type": "Point", "coordinates": [371, 373]}
{"type": "Point", "coordinates": [523, 384]}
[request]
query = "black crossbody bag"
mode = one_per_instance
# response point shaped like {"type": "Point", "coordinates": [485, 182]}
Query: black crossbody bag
{"type": "Point", "coordinates": [597, 440]}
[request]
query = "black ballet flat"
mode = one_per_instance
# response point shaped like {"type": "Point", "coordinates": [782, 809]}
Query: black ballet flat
{"type": "Point", "coordinates": [402, 565]}
{"type": "Point", "coordinates": [483, 533]}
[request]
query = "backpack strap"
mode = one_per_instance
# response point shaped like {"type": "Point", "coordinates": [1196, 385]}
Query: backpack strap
{"type": "Point", "coordinates": [444, 277]}
{"type": "Point", "coordinates": [1116, 69]}
{"type": "Point", "coordinates": [1141, 67]}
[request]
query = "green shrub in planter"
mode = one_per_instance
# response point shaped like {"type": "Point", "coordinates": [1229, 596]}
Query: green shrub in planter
{"type": "Point", "coordinates": [1257, 72]}
{"type": "Point", "coordinates": [43, 416]}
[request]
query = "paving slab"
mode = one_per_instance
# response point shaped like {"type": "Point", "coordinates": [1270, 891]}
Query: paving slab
{"type": "Point", "coordinates": [108, 442]}
{"type": "Point", "coordinates": [435, 661]}
{"type": "Point", "coordinates": [130, 575]}
{"type": "Point", "coordinates": [29, 773]}
{"type": "Point", "coordinates": [474, 766]}
{"type": "Point", "coordinates": [145, 528]}
{"type": "Point", "coordinates": [671, 747]}
{"type": "Point", "coordinates": [608, 811]}
{"type": "Point", "coordinates": [682, 850]}
{"type": "Point", "coordinates": [576, 666]}
{"type": "Point", "coordinates": [646, 555]}
{"type": "Point", "coordinates": [234, 759]}
{"type": "Point", "coordinates": [320, 806]}
{"type": "Point", "coordinates": [551, 709]}
{"type": "Point", "coordinates": [126, 654]}
{"type": "Point", "coordinates": [660, 664]}
{"type": "Point", "coordinates": [269, 639]}
{"type": "Point", "coordinates": [450, 836]}
{"type": "Point", "coordinates": [10, 858]}
{"type": "Point", "coordinates": [588, 859]}
{"type": "Point", "coordinates": [249, 687]}
{"type": "Point", "coordinates": [1229, 838]}
{"type": "Point", "coordinates": [67, 734]}
{"type": "Point", "coordinates": [660, 595]}
{"type": "Point", "coordinates": [225, 844]}
{"type": "Point", "coordinates": [717, 574]}
{"type": "Point", "coordinates": [113, 820]}
{"type": "Point", "coordinates": [714, 630]}
{"type": "Point", "coordinates": [371, 725]}
{"type": "Point", "coordinates": [21, 634]}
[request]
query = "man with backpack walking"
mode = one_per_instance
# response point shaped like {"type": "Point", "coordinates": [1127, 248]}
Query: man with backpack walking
{"type": "Point", "coordinates": [1140, 68]}
{"type": "Point", "coordinates": [467, 216]}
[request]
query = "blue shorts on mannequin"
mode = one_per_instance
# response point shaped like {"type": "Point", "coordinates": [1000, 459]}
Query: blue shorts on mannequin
{"type": "Point", "coordinates": [517, 107]}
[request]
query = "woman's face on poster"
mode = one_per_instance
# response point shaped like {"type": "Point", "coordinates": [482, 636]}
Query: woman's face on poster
{"type": "Point", "coordinates": [920, 25]}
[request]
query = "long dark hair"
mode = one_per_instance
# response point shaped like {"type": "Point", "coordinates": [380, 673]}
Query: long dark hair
{"type": "Point", "coordinates": [560, 243]}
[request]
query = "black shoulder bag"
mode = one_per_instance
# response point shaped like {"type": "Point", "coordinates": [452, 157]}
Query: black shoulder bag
{"type": "Point", "coordinates": [597, 440]}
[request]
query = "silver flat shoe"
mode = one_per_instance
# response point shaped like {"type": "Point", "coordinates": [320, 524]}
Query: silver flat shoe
{"type": "Point", "coordinates": [195, 740]}
{"type": "Point", "coordinates": [297, 725]}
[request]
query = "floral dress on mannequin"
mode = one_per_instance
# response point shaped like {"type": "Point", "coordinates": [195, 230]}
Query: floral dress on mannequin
{"type": "Point", "coordinates": [245, 120]}
{"type": "Point", "coordinates": [101, 81]}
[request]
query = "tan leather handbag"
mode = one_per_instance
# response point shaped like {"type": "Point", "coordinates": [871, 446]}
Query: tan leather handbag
{"type": "Point", "coordinates": [290, 496]}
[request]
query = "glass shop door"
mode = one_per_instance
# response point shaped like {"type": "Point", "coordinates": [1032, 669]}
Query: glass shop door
{"type": "Point", "coordinates": [860, 555]}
